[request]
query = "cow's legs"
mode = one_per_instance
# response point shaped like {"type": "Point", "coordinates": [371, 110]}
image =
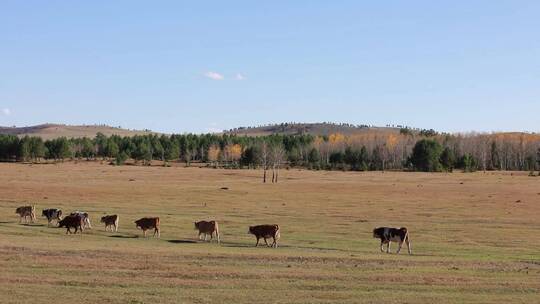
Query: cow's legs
{"type": "Point", "coordinates": [217, 235]}
{"type": "Point", "coordinates": [156, 231]}
{"type": "Point", "coordinates": [399, 247]}
{"type": "Point", "coordinates": [388, 247]}
{"type": "Point", "coordinates": [257, 244]}
{"type": "Point", "coordinates": [205, 236]}
{"type": "Point", "coordinates": [274, 244]}
{"type": "Point", "coordinates": [144, 232]}
{"type": "Point", "coordinates": [266, 242]}
{"type": "Point", "coordinates": [115, 227]}
{"type": "Point", "coordinates": [382, 246]}
{"type": "Point", "coordinates": [408, 244]}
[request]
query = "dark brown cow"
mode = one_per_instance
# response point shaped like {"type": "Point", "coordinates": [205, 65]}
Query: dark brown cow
{"type": "Point", "coordinates": [208, 228]}
{"type": "Point", "coordinates": [25, 212]}
{"type": "Point", "coordinates": [111, 221]}
{"type": "Point", "coordinates": [148, 223]}
{"type": "Point", "coordinates": [387, 235]}
{"type": "Point", "coordinates": [266, 232]}
{"type": "Point", "coordinates": [72, 221]}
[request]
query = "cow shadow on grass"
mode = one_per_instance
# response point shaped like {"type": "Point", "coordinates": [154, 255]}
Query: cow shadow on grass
{"type": "Point", "coordinates": [120, 236]}
{"type": "Point", "coordinates": [33, 225]}
{"type": "Point", "coordinates": [182, 241]}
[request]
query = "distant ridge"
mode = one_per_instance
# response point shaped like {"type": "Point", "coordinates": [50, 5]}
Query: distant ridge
{"type": "Point", "coordinates": [50, 131]}
{"type": "Point", "coordinates": [321, 128]}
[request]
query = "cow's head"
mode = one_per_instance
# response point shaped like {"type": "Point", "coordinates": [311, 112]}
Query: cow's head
{"type": "Point", "coordinates": [376, 233]}
{"type": "Point", "coordinates": [250, 230]}
{"type": "Point", "coordinates": [196, 225]}
{"type": "Point", "coordinates": [44, 212]}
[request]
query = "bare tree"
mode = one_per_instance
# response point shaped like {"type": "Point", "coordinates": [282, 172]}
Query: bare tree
{"type": "Point", "coordinates": [264, 158]}
{"type": "Point", "coordinates": [277, 157]}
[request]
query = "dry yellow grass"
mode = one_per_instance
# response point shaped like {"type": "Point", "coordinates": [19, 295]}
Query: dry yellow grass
{"type": "Point", "coordinates": [475, 237]}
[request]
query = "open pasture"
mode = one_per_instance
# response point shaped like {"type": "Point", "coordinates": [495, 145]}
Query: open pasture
{"type": "Point", "coordinates": [475, 237]}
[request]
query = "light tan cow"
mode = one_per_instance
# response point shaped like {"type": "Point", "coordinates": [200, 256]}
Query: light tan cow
{"type": "Point", "coordinates": [208, 228]}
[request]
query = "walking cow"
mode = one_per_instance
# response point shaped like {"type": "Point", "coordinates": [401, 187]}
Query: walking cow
{"type": "Point", "coordinates": [72, 221]}
{"type": "Point", "coordinates": [266, 232]}
{"type": "Point", "coordinates": [147, 223]}
{"type": "Point", "coordinates": [51, 215]}
{"type": "Point", "coordinates": [111, 221]}
{"type": "Point", "coordinates": [25, 212]}
{"type": "Point", "coordinates": [387, 235]}
{"type": "Point", "coordinates": [208, 228]}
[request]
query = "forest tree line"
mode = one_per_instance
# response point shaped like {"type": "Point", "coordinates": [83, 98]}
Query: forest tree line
{"type": "Point", "coordinates": [422, 151]}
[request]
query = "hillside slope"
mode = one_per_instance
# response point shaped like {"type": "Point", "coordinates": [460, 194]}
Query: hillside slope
{"type": "Point", "coordinates": [310, 128]}
{"type": "Point", "coordinates": [50, 131]}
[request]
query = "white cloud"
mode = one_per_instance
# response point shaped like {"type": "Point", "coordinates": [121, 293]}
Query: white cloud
{"type": "Point", "coordinates": [214, 75]}
{"type": "Point", "coordinates": [6, 111]}
{"type": "Point", "coordinates": [240, 76]}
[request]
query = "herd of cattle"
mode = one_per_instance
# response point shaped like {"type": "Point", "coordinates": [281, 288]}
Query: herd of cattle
{"type": "Point", "coordinates": [79, 221]}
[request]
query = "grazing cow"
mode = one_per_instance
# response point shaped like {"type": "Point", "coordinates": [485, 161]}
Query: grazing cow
{"type": "Point", "coordinates": [265, 232]}
{"type": "Point", "coordinates": [25, 212]}
{"type": "Point", "coordinates": [147, 223]}
{"type": "Point", "coordinates": [72, 221]}
{"type": "Point", "coordinates": [208, 228]}
{"type": "Point", "coordinates": [85, 217]}
{"type": "Point", "coordinates": [387, 235]}
{"type": "Point", "coordinates": [111, 221]}
{"type": "Point", "coordinates": [52, 214]}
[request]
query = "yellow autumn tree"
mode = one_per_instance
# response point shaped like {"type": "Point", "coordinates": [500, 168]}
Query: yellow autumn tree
{"type": "Point", "coordinates": [233, 152]}
{"type": "Point", "coordinates": [213, 154]}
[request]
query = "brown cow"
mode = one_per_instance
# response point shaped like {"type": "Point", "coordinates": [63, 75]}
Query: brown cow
{"type": "Point", "coordinates": [111, 221]}
{"type": "Point", "coordinates": [266, 232]}
{"type": "Point", "coordinates": [148, 223]}
{"type": "Point", "coordinates": [208, 228]}
{"type": "Point", "coordinates": [72, 221]}
{"type": "Point", "coordinates": [25, 212]}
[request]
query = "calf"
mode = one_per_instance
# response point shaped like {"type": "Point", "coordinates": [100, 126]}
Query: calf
{"type": "Point", "coordinates": [52, 214]}
{"type": "Point", "coordinates": [110, 221]}
{"type": "Point", "coordinates": [25, 212]}
{"type": "Point", "coordinates": [86, 218]}
{"type": "Point", "coordinates": [208, 228]}
{"type": "Point", "coordinates": [148, 223]}
{"type": "Point", "coordinates": [387, 235]}
{"type": "Point", "coordinates": [72, 221]}
{"type": "Point", "coordinates": [266, 232]}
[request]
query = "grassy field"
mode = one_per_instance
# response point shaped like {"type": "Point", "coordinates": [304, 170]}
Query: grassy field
{"type": "Point", "coordinates": [475, 237]}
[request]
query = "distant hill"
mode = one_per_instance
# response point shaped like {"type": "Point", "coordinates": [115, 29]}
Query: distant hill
{"type": "Point", "coordinates": [50, 131]}
{"type": "Point", "coordinates": [311, 128]}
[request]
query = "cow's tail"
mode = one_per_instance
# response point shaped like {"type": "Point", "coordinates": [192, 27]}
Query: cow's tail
{"type": "Point", "coordinates": [278, 234]}
{"type": "Point", "coordinates": [217, 233]}
{"type": "Point", "coordinates": [407, 240]}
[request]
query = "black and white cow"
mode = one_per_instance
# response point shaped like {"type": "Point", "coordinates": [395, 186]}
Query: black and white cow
{"type": "Point", "coordinates": [52, 214]}
{"type": "Point", "coordinates": [387, 235]}
{"type": "Point", "coordinates": [85, 217]}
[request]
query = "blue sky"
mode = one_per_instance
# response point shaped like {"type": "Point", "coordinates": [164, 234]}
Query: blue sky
{"type": "Point", "coordinates": [199, 66]}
